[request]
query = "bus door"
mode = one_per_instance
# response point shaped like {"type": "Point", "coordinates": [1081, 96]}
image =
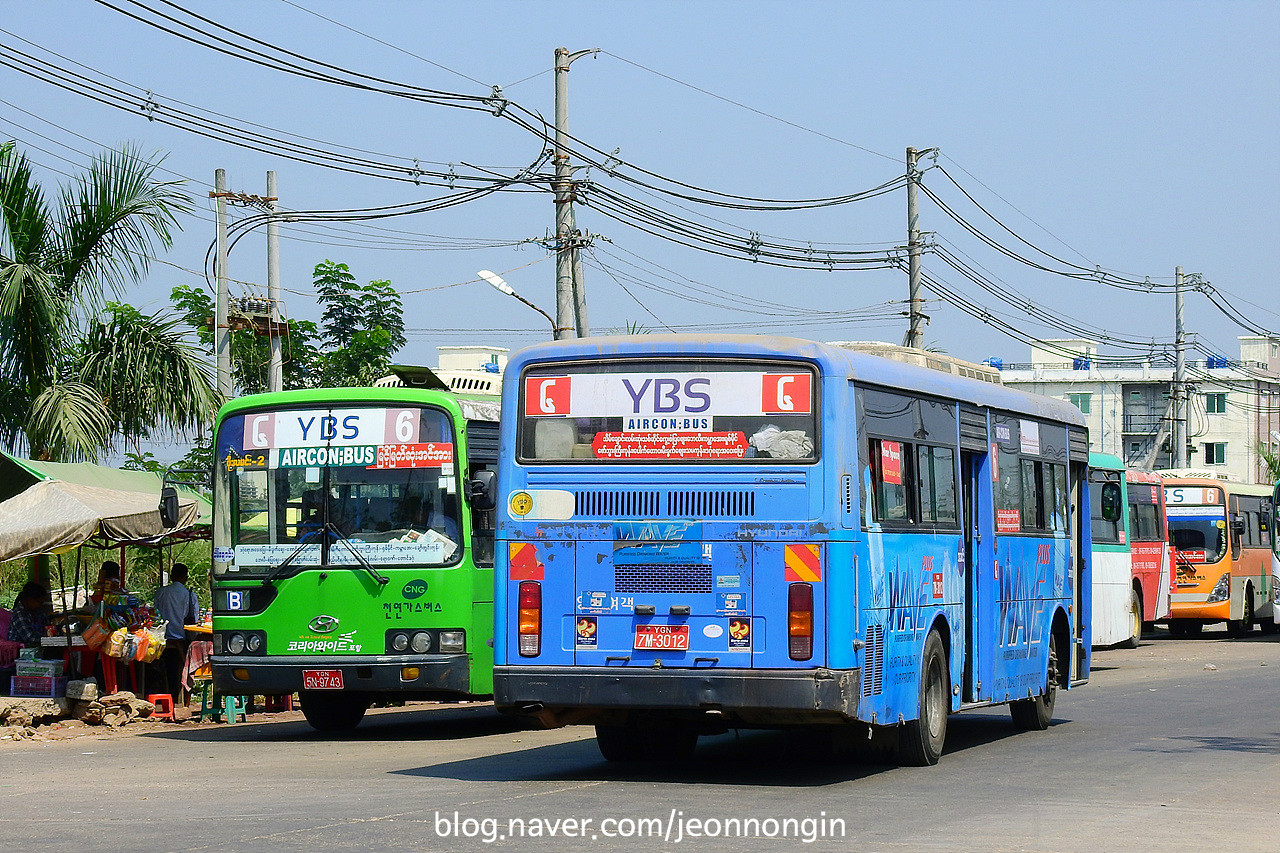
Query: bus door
{"type": "Point", "coordinates": [1081, 581]}
{"type": "Point", "coordinates": [979, 605]}
{"type": "Point", "coordinates": [659, 594]}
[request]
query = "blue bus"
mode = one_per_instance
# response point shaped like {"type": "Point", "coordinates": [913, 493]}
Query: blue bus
{"type": "Point", "coordinates": [698, 534]}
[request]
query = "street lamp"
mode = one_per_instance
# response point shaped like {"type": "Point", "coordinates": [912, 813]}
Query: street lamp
{"type": "Point", "coordinates": [502, 287]}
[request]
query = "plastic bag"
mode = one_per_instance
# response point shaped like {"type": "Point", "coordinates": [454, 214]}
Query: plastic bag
{"type": "Point", "coordinates": [141, 643]}
{"type": "Point", "coordinates": [155, 642]}
{"type": "Point", "coordinates": [115, 645]}
{"type": "Point", "coordinates": [96, 634]}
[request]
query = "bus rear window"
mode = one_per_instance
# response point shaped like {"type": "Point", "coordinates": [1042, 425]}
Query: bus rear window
{"type": "Point", "coordinates": [662, 412]}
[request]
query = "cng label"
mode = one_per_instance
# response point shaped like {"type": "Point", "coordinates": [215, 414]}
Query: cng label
{"type": "Point", "coordinates": [414, 589]}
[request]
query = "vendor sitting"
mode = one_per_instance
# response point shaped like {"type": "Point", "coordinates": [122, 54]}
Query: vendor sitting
{"type": "Point", "coordinates": [30, 615]}
{"type": "Point", "coordinates": [108, 581]}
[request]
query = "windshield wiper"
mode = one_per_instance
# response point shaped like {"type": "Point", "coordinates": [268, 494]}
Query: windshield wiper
{"type": "Point", "coordinates": [279, 570]}
{"type": "Point", "coordinates": [365, 564]}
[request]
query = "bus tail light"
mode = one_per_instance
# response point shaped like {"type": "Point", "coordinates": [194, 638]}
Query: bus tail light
{"type": "Point", "coordinates": [800, 620]}
{"type": "Point", "coordinates": [530, 619]}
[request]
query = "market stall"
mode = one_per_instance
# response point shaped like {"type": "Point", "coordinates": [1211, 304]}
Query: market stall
{"type": "Point", "coordinates": [52, 509]}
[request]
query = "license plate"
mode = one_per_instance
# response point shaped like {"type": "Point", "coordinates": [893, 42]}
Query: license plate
{"type": "Point", "coordinates": [322, 679]}
{"type": "Point", "coordinates": [673, 638]}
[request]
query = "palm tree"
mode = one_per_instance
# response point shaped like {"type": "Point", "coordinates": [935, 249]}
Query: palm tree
{"type": "Point", "coordinates": [78, 372]}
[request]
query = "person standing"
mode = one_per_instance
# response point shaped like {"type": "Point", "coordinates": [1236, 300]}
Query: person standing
{"type": "Point", "coordinates": [177, 606]}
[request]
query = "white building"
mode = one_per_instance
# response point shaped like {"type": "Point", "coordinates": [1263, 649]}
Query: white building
{"type": "Point", "coordinates": [1232, 405]}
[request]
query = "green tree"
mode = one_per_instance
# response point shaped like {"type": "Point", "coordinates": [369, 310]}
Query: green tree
{"type": "Point", "coordinates": [78, 373]}
{"type": "Point", "coordinates": [1270, 457]}
{"type": "Point", "coordinates": [251, 352]}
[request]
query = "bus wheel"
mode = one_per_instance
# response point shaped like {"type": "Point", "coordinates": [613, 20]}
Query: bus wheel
{"type": "Point", "coordinates": [1034, 715]}
{"type": "Point", "coordinates": [920, 740]}
{"type": "Point", "coordinates": [333, 711]}
{"type": "Point", "coordinates": [1135, 620]}
{"type": "Point", "coordinates": [1242, 626]}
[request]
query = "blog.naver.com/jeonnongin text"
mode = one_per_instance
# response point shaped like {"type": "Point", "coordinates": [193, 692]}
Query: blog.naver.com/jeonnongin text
{"type": "Point", "coordinates": [672, 828]}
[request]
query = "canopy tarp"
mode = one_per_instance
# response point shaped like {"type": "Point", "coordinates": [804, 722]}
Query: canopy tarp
{"type": "Point", "coordinates": [53, 507]}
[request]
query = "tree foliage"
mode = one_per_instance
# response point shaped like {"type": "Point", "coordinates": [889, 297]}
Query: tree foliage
{"type": "Point", "coordinates": [78, 373]}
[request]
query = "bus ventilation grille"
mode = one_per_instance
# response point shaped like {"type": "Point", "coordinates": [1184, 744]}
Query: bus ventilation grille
{"type": "Point", "coordinates": [613, 504]}
{"type": "Point", "coordinates": [873, 671]}
{"type": "Point", "coordinates": [663, 578]}
{"type": "Point", "coordinates": [846, 494]}
{"type": "Point", "coordinates": [711, 504]}
{"type": "Point", "coordinates": [708, 504]}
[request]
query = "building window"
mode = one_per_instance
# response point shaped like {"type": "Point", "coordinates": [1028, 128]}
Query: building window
{"type": "Point", "coordinates": [1134, 446]}
{"type": "Point", "coordinates": [1215, 453]}
{"type": "Point", "coordinates": [1135, 396]}
{"type": "Point", "coordinates": [1215, 404]}
{"type": "Point", "coordinates": [1080, 401]}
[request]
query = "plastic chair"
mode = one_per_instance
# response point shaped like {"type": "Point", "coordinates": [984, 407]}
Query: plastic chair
{"type": "Point", "coordinates": [232, 707]}
{"type": "Point", "coordinates": [277, 703]}
{"type": "Point", "coordinates": [203, 687]}
{"type": "Point", "coordinates": [164, 706]}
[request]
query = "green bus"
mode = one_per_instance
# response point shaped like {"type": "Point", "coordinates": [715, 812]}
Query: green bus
{"type": "Point", "coordinates": [353, 544]}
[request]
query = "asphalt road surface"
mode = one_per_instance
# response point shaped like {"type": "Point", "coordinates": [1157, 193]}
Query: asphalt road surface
{"type": "Point", "coordinates": [1173, 746]}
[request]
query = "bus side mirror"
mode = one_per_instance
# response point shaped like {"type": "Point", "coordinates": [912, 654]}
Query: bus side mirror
{"type": "Point", "coordinates": [169, 506]}
{"type": "Point", "coordinates": [482, 490]}
{"type": "Point", "coordinates": [1237, 525]}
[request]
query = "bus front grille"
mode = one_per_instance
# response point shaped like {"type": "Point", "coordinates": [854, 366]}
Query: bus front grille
{"type": "Point", "coordinates": [685, 578]}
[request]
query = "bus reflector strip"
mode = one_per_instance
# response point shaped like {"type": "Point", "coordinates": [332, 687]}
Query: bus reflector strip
{"type": "Point", "coordinates": [523, 563]}
{"type": "Point", "coordinates": [803, 563]}
{"type": "Point", "coordinates": [800, 621]}
{"type": "Point", "coordinates": [530, 619]}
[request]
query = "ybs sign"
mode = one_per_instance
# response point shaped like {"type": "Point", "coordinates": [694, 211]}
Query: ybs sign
{"type": "Point", "coordinates": [613, 395]}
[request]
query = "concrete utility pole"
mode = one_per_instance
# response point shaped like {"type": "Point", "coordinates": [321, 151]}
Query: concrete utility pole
{"type": "Point", "coordinates": [571, 299]}
{"type": "Point", "coordinates": [1179, 379]}
{"type": "Point", "coordinates": [221, 320]}
{"type": "Point", "coordinates": [915, 332]}
{"type": "Point", "coordinates": [275, 370]}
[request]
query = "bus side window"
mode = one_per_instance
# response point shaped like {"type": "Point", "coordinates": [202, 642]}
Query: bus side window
{"type": "Point", "coordinates": [891, 464]}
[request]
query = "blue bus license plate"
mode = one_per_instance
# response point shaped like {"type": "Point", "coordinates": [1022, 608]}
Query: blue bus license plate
{"type": "Point", "coordinates": [662, 637]}
{"type": "Point", "coordinates": [322, 679]}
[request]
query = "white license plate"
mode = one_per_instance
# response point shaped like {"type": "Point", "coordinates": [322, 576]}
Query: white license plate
{"type": "Point", "coordinates": [674, 638]}
{"type": "Point", "coordinates": [322, 679]}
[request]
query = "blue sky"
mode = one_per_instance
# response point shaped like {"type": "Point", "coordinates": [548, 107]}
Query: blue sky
{"type": "Point", "coordinates": [1134, 136]}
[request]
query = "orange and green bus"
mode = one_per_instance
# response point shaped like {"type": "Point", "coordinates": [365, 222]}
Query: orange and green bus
{"type": "Point", "coordinates": [1221, 535]}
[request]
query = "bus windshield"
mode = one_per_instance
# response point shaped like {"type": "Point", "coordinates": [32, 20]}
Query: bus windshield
{"type": "Point", "coordinates": [1198, 533]}
{"type": "Point", "coordinates": [331, 483]}
{"type": "Point", "coordinates": [669, 411]}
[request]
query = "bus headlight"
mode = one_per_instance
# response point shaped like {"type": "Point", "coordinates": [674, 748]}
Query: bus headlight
{"type": "Point", "coordinates": [235, 644]}
{"type": "Point", "coordinates": [253, 643]}
{"type": "Point", "coordinates": [400, 642]}
{"type": "Point", "coordinates": [453, 641]}
{"type": "Point", "coordinates": [421, 642]}
{"type": "Point", "coordinates": [1222, 589]}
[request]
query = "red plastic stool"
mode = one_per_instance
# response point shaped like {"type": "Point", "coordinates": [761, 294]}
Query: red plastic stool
{"type": "Point", "coordinates": [278, 703]}
{"type": "Point", "coordinates": [164, 706]}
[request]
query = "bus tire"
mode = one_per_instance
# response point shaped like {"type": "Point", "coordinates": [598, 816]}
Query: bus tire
{"type": "Point", "coordinates": [1242, 626]}
{"type": "Point", "coordinates": [1135, 621]}
{"type": "Point", "coordinates": [333, 711]}
{"type": "Point", "coordinates": [1034, 715]}
{"type": "Point", "coordinates": [656, 741]}
{"type": "Point", "coordinates": [920, 740]}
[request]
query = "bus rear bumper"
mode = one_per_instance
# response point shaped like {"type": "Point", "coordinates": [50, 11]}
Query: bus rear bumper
{"type": "Point", "coordinates": [563, 695]}
{"type": "Point", "coordinates": [437, 675]}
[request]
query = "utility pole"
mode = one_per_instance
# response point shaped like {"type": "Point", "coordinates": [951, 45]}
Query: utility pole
{"type": "Point", "coordinates": [915, 332]}
{"type": "Point", "coordinates": [571, 300]}
{"type": "Point", "coordinates": [1179, 378]}
{"type": "Point", "coordinates": [275, 370]}
{"type": "Point", "coordinates": [221, 320]}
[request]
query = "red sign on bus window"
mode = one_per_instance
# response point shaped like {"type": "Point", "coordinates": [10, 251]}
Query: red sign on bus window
{"type": "Point", "coordinates": [786, 393]}
{"type": "Point", "coordinates": [891, 462]}
{"type": "Point", "coordinates": [547, 395]}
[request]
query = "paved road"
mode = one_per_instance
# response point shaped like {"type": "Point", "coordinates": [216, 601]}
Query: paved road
{"type": "Point", "coordinates": [1174, 746]}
